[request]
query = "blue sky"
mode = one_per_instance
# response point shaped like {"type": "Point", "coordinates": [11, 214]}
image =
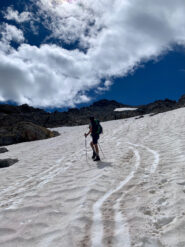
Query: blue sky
{"type": "Point", "coordinates": [56, 54]}
{"type": "Point", "coordinates": [156, 80]}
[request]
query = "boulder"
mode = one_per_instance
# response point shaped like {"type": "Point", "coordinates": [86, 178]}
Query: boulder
{"type": "Point", "coordinates": [26, 131]}
{"type": "Point", "coordinates": [7, 162]}
{"type": "Point", "coordinates": [55, 133]}
{"type": "Point", "coordinates": [3, 150]}
{"type": "Point", "coordinates": [23, 132]}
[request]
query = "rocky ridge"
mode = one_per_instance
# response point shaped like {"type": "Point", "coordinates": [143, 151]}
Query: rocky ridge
{"type": "Point", "coordinates": [26, 123]}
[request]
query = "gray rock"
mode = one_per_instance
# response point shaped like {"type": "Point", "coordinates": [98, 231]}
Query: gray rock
{"type": "Point", "coordinates": [7, 162]}
{"type": "Point", "coordinates": [7, 140]}
{"type": "Point", "coordinates": [23, 132]}
{"type": "Point", "coordinates": [3, 150]}
{"type": "Point", "coordinates": [55, 133]}
{"type": "Point", "coordinates": [181, 102]}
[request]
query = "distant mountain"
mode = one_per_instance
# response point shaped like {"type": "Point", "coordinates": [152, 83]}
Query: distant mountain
{"type": "Point", "coordinates": [103, 110]}
{"type": "Point", "coordinates": [26, 123]}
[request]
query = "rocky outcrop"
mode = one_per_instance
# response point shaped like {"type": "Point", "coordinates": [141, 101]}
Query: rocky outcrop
{"type": "Point", "coordinates": [11, 115]}
{"type": "Point", "coordinates": [23, 132]}
{"type": "Point", "coordinates": [181, 102]}
{"type": "Point", "coordinates": [158, 106]}
{"type": "Point", "coordinates": [3, 150]}
{"type": "Point", "coordinates": [7, 162]}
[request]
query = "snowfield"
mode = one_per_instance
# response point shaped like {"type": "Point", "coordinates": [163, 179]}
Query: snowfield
{"type": "Point", "coordinates": [134, 197]}
{"type": "Point", "coordinates": [125, 109]}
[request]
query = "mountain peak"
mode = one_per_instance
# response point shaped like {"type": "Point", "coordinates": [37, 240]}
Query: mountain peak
{"type": "Point", "coordinates": [105, 102]}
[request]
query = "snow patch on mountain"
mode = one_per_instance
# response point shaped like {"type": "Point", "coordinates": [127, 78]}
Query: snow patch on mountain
{"type": "Point", "coordinates": [125, 109]}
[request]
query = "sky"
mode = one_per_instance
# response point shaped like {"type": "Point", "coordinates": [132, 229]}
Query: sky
{"type": "Point", "coordinates": [60, 54]}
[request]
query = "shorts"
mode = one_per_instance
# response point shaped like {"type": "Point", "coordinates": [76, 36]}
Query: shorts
{"type": "Point", "coordinates": [95, 139]}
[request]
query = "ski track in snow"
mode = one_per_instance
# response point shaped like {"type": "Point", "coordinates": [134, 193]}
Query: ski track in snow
{"type": "Point", "coordinates": [97, 227]}
{"type": "Point", "coordinates": [155, 154]}
{"type": "Point", "coordinates": [121, 226]}
{"type": "Point", "coordinates": [122, 236]}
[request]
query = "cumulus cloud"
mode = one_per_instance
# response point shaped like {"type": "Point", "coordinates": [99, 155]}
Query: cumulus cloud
{"type": "Point", "coordinates": [12, 14]}
{"type": "Point", "coordinates": [45, 76]}
{"type": "Point", "coordinates": [10, 32]}
{"type": "Point", "coordinates": [69, 21]}
{"type": "Point", "coordinates": [118, 35]}
{"type": "Point", "coordinates": [106, 87]}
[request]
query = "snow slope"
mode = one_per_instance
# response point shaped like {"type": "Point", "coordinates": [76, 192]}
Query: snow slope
{"type": "Point", "coordinates": [134, 197]}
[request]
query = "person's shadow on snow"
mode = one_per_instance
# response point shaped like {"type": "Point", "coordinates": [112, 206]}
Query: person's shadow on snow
{"type": "Point", "coordinates": [103, 164]}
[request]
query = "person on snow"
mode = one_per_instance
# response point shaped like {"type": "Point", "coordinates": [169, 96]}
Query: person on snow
{"type": "Point", "coordinates": [94, 129]}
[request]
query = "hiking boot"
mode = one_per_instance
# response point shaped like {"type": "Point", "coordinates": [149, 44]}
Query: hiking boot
{"type": "Point", "coordinates": [94, 155]}
{"type": "Point", "coordinates": [97, 158]}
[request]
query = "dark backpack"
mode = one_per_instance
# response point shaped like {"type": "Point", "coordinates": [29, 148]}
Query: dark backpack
{"type": "Point", "coordinates": [99, 127]}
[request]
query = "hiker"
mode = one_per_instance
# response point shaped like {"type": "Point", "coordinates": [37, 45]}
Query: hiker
{"type": "Point", "coordinates": [94, 129]}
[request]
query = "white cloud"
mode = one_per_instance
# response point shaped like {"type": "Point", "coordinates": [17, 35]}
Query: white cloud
{"type": "Point", "coordinates": [106, 87]}
{"type": "Point", "coordinates": [119, 36]}
{"type": "Point", "coordinates": [10, 32]}
{"type": "Point", "coordinates": [108, 84]}
{"type": "Point", "coordinates": [44, 76]}
{"type": "Point", "coordinates": [12, 14]}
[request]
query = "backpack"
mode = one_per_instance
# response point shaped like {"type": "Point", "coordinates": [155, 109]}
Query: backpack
{"type": "Point", "coordinates": [99, 127]}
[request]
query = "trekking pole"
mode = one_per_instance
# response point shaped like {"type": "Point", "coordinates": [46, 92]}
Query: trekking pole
{"type": "Point", "coordinates": [101, 150]}
{"type": "Point", "coordinates": [86, 147]}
